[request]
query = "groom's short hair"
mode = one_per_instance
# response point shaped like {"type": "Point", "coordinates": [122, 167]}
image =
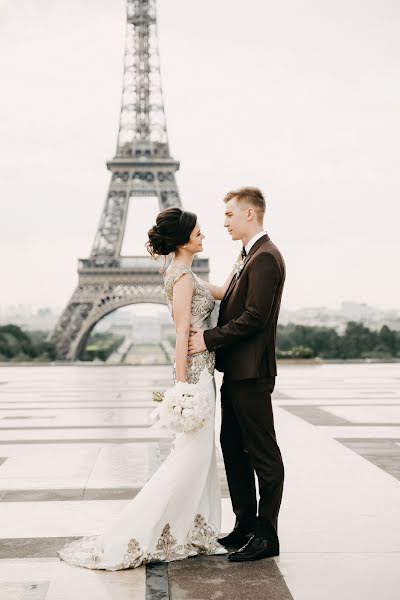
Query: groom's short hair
{"type": "Point", "coordinates": [251, 196]}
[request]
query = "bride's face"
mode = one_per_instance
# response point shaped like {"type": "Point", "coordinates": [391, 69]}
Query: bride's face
{"type": "Point", "coordinates": [195, 243]}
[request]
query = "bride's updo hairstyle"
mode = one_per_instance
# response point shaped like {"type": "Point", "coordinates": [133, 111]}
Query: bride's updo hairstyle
{"type": "Point", "coordinates": [172, 229]}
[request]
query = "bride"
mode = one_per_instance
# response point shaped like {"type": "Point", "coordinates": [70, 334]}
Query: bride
{"type": "Point", "coordinates": [177, 513]}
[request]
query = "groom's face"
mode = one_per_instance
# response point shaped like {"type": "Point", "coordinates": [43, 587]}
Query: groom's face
{"type": "Point", "coordinates": [236, 218]}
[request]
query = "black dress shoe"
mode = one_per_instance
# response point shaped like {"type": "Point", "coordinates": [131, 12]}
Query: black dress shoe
{"type": "Point", "coordinates": [236, 539]}
{"type": "Point", "coordinates": [255, 549]}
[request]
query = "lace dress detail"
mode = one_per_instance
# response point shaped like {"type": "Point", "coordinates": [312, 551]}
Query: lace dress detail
{"type": "Point", "coordinates": [202, 539]}
{"type": "Point", "coordinates": [201, 309]}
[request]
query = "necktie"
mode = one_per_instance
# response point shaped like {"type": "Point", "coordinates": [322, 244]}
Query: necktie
{"type": "Point", "coordinates": [244, 253]}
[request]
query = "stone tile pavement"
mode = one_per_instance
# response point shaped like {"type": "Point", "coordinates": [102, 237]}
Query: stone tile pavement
{"type": "Point", "coordinates": [76, 445]}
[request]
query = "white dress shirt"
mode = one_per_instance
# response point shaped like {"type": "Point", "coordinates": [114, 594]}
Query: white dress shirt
{"type": "Point", "coordinates": [253, 240]}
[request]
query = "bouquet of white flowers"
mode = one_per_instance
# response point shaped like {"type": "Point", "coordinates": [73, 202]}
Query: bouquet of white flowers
{"type": "Point", "coordinates": [183, 407]}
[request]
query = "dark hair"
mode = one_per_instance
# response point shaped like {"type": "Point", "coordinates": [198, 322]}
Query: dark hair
{"type": "Point", "coordinates": [172, 229]}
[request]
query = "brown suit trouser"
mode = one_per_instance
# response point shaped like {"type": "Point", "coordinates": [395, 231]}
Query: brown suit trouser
{"type": "Point", "coordinates": [249, 446]}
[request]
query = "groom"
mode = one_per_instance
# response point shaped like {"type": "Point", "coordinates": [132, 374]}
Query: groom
{"type": "Point", "coordinates": [244, 341]}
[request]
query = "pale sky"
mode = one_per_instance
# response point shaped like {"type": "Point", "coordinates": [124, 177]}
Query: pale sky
{"type": "Point", "coordinates": [300, 98]}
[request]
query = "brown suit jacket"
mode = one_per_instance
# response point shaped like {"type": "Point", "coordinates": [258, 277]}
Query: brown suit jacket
{"type": "Point", "coordinates": [245, 337]}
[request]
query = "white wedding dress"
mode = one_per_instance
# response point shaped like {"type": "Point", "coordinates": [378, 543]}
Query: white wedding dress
{"type": "Point", "coordinates": [177, 513]}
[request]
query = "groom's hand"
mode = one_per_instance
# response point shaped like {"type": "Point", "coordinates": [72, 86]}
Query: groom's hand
{"type": "Point", "coordinates": [196, 341]}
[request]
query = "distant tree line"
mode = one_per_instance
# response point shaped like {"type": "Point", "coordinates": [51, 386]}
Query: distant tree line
{"type": "Point", "coordinates": [357, 341]}
{"type": "Point", "coordinates": [294, 341]}
{"type": "Point", "coordinates": [19, 346]}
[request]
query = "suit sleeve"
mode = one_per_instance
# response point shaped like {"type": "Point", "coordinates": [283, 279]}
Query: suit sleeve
{"type": "Point", "coordinates": [263, 280]}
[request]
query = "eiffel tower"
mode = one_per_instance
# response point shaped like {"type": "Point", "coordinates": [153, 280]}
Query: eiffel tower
{"type": "Point", "coordinates": [142, 167]}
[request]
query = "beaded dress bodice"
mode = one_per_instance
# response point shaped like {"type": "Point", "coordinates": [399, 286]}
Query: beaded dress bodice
{"type": "Point", "coordinates": [201, 310]}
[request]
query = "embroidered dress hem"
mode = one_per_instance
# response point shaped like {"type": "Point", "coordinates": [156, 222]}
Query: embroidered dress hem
{"type": "Point", "coordinates": [201, 540]}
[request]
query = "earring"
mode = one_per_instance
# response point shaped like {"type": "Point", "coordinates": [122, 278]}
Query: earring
{"type": "Point", "coordinates": [184, 246]}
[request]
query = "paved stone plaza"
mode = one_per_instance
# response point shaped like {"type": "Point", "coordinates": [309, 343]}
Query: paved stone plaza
{"type": "Point", "coordinates": [76, 445]}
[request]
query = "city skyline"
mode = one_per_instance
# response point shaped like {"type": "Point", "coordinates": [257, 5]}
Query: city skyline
{"type": "Point", "coordinates": [288, 107]}
{"type": "Point", "coordinates": [44, 318]}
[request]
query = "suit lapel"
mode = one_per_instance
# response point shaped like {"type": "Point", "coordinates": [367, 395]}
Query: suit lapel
{"type": "Point", "coordinates": [257, 244]}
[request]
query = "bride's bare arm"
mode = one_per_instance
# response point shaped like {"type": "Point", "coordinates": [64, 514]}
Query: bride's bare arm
{"type": "Point", "coordinates": [218, 291]}
{"type": "Point", "coordinates": [181, 306]}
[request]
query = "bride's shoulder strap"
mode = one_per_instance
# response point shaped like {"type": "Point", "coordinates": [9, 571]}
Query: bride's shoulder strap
{"type": "Point", "coordinates": [174, 273]}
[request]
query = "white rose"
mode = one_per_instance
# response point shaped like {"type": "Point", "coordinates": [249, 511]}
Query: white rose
{"type": "Point", "coordinates": [187, 412]}
{"type": "Point", "coordinates": [187, 402]}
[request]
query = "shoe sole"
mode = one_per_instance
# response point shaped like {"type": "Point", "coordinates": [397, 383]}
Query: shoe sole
{"type": "Point", "coordinates": [252, 559]}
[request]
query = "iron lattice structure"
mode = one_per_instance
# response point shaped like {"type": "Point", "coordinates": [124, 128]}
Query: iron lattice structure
{"type": "Point", "coordinates": [142, 167]}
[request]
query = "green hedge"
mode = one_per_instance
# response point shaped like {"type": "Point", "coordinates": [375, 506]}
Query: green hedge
{"type": "Point", "coordinates": [100, 346]}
